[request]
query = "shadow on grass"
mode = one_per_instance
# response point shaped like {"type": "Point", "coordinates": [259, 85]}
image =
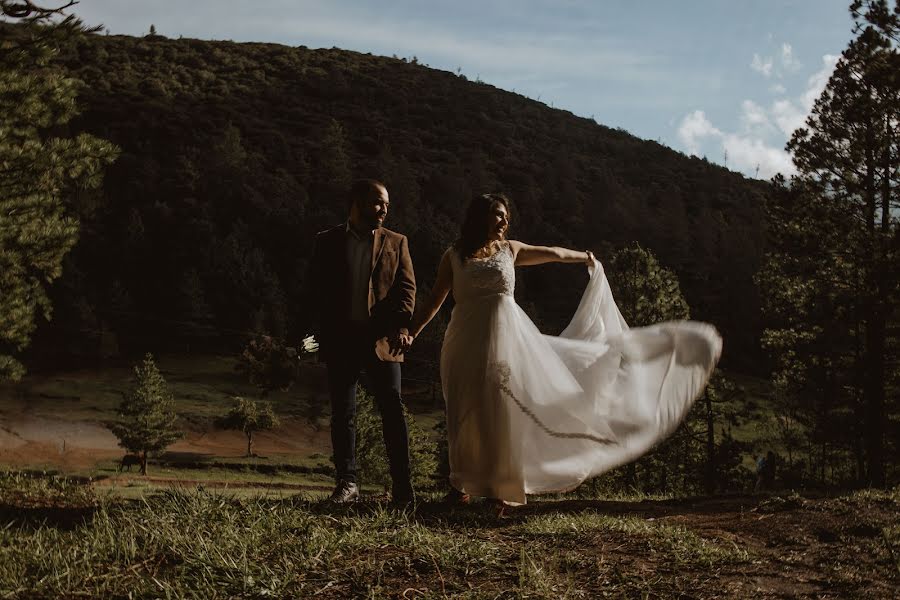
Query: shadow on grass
{"type": "Point", "coordinates": [59, 517]}
{"type": "Point", "coordinates": [480, 512]}
{"type": "Point", "coordinates": [174, 457]}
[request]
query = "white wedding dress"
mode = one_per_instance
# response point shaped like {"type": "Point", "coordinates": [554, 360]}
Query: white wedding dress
{"type": "Point", "coordinates": [529, 413]}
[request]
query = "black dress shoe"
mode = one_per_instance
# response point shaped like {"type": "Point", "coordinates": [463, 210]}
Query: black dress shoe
{"type": "Point", "coordinates": [344, 492]}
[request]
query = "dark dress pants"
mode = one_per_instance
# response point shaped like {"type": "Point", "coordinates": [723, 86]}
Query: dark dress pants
{"type": "Point", "coordinates": [344, 369]}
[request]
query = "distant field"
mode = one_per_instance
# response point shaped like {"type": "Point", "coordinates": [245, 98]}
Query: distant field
{"type": "Point", "coordinates": [57, 422]}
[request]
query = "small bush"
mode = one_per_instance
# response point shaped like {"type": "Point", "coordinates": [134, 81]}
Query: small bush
{"type": "Point", "coordinates": [371, 456]}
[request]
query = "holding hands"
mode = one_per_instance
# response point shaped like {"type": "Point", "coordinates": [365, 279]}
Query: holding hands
{"type": "Point", "coordinates": [400, 343]}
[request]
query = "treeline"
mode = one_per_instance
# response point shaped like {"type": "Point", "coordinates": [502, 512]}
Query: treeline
{"type": "Point", "coordinates": [831, 280]}
{"type": "Point", "coordinates": [234, 155]}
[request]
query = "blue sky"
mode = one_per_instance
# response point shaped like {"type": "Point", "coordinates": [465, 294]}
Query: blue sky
{"type": "Point", "coordinates": [708, 77]}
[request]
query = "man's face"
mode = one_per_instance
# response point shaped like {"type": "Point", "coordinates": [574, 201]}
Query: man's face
{"type": "Point", "coordinates": [374, 209]}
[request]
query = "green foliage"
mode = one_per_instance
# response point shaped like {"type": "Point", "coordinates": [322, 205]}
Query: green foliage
{"type": "Point", "coordinates": [645, 291]}
{"type": "Point", "coordinates": [249, 417]}
{"type": "Point", "coordinates": [38, 171]}
{"type": "Point", "coordinates": [269, 364]}
{"type": "Point", "coordinates": [701, 455]}
{"type": "Point", "coordinates": [830, 281]}
{"type": "Point", "coordinates": [371, 456]}
{"type": "Point", "coordinates": [147, 414]}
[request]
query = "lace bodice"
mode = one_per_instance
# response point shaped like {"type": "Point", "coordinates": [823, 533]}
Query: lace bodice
{"type": "Point", "coordinates": [478, 277]}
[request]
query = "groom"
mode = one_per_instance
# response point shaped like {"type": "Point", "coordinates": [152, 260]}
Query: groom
{"type": "Point", "coordinates": [361, 278]}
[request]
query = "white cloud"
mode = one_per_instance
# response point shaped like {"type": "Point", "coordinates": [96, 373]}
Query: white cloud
{"type": "Point", "coordinates": [755, 157]}
{"type": "Point", "coordinates": [788, 61]}
{"type": "Point", "coordinates": [695, 127]}
{"type": "Point", "coordinates": [788, 116]}
{"type": "Point", "coordinates": [817, 82]}
{"type": "Point", "coordinates": [791, 114]}
{"type": "Point", "coordinates": [753, 116]}
{"type": "Point", "coordinates": [757, 148]}
{"type": "Point", "coordinates": [762, 65]}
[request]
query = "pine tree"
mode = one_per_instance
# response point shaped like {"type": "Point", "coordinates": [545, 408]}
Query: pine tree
{"type": "Point", "coordinates": [847, 156]}
{"type": "Point", "coordinates": [810, 286]}
{"type": "Point", "coordinates": [335, 157]}
{"type": "Point", "coordinates": [645, 291]}
{"type": "Point", "coordinates": [37, 170]}
{"type": "Point", "coordinates": [249, 416]}
{"type": "Point", "coordinates": [147, 423]}
{"type": "Point", "coordinates": [648, 293]}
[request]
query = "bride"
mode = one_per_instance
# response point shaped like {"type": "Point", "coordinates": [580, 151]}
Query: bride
{"type": "Point", "coordinates": [529, 413]}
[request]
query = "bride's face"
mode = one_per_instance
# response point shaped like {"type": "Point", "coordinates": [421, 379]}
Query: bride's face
{"type": "Point", "coordinates": [498, 222]}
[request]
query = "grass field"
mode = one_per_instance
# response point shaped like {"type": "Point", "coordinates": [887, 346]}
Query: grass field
{"type": "Point", "coordinates": [63, 540]}
{"type": "Point", "coordinates": [208, 522]}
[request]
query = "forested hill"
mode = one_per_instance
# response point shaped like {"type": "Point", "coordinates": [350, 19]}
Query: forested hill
{"type": "Point", "coordinates": [233, 154]}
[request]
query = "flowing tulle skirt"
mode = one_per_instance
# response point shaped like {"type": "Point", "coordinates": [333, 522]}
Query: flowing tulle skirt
{"type": "Point", "coordinates": [531, 413]}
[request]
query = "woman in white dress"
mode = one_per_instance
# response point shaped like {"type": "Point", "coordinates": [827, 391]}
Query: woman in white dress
{"type": "Point", "coordinates": [530, 413]}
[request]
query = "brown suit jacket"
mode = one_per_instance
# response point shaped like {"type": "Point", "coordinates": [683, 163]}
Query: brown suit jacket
{"type": "Point", "coordinates": [392, 290]}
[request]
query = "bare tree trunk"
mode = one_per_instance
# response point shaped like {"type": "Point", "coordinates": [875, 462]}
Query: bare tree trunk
{"type": "Point", "coordinates": [144, 462]}
{"type": "Point", "coordinates": [873, 388]}
{"type": "Point", "coordinates": [874, 398]}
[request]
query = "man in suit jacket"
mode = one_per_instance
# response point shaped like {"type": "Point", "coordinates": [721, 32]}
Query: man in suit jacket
{"type": "Point", "coordinates": [363, 288]}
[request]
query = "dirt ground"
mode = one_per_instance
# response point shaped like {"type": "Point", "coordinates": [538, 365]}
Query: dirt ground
{"type": "Point", "coordinates": [42, 441]}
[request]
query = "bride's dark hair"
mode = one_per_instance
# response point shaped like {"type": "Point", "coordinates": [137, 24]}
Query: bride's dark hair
{"type": "Point", "coordinates": [473, 233]}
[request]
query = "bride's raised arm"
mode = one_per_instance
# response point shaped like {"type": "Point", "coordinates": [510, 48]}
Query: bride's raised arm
{"type": "Point", "coordinates": [439, 292]}
{"type": "Point", "coordinates": [527, 255]}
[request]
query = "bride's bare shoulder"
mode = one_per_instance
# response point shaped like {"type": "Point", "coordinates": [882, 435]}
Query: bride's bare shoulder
{"type": "Point", "coordinates": [515, 246]}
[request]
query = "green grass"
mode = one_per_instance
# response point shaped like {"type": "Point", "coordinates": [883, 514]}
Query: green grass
{"type": "Point", "coordinates": [210, 544]}
{"type": "Point", "coordinates": [62, 540]}
{"type": "Point", "coordinates": [65, 540]}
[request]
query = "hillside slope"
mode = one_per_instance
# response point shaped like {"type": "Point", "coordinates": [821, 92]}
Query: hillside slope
{"type": "Point", "coordinates": [233, 156]}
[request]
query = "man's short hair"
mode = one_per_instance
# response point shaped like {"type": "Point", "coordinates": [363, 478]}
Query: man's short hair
{"type": "Point", "coordinates": [364, 189]}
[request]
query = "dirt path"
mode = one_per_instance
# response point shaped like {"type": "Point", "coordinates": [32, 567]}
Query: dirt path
{"type": "Point", "coordinates": [32, 440]}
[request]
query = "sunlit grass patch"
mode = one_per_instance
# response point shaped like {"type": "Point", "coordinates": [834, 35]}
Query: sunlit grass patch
{"type": "Point", "coordinates": [24, 490]}
{"type": "Point", "coordinates": [873, 494]}
{"type": "Point", "coordinates": [193, 543]}
{"type": "Point", "coordinates": [891, 537]}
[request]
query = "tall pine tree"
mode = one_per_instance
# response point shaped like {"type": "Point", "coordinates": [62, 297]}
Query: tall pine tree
{"type": "Point", "coordinates": [38, 169]}
{"type": "Point", "coordinates": [835, 240]}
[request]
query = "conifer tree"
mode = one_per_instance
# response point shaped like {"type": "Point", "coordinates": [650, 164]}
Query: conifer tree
{"type": "Point", "coordinates": [147, 423]}
{"type": "Point", "coordinates": [37, 169]}
{"type": "Point", "coordinates": [833, 271]}
{"type": "Point", "coordinates": [645, 291]}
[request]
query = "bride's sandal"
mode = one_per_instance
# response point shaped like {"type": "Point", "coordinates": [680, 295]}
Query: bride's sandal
{"type": "Point", "coordinates": [456, 498]}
